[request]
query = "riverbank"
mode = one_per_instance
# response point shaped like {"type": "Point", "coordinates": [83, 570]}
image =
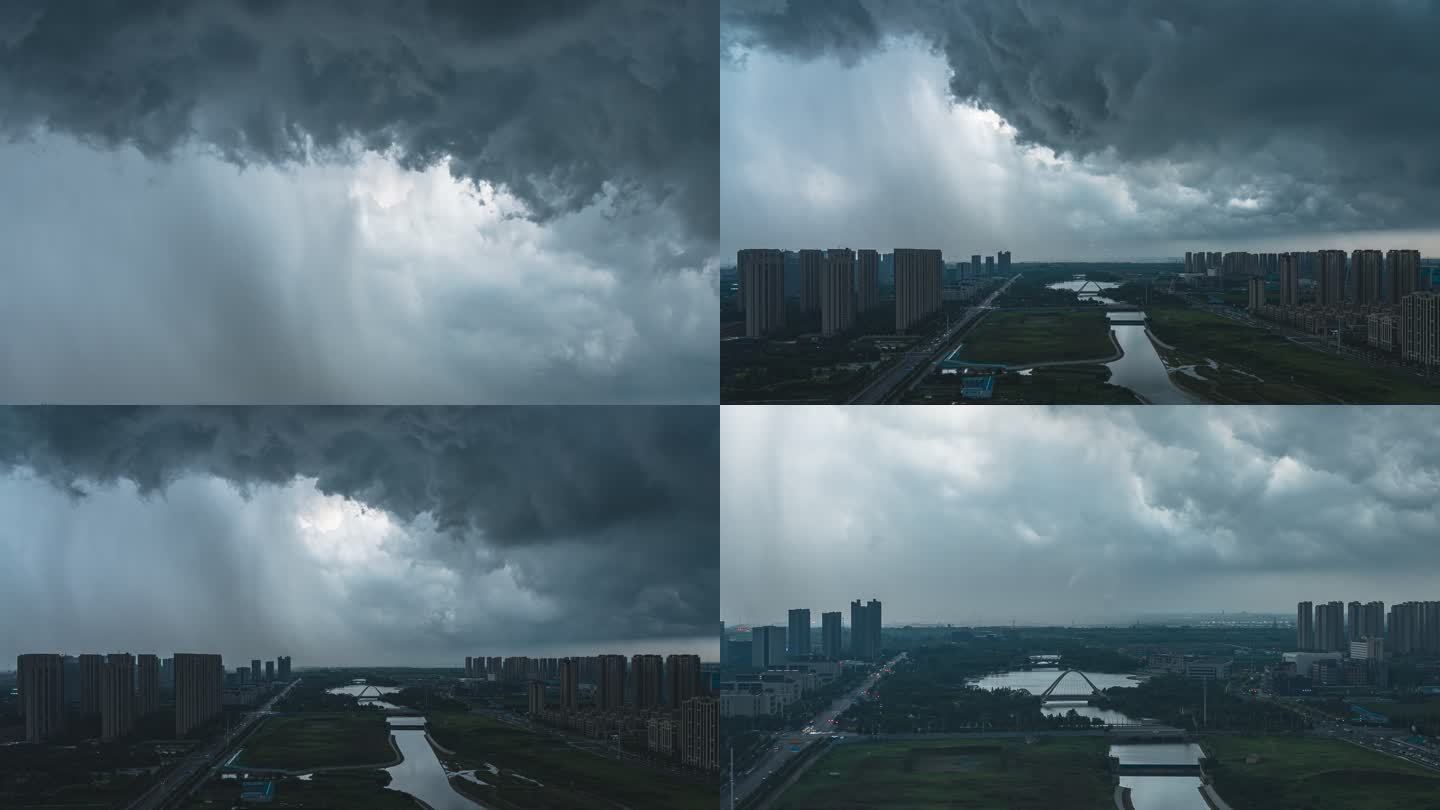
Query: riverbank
{"type": "Point", "coordinates": [314, 742]}
{"type": "Point", "coordinates": [1243, 364]}
{"type": "Point", "coordinates": [1024, 339]}
{"type": "Point", "coordinates": [537, 770]}
{"type": "Point", "coordinates": [1298, 772]}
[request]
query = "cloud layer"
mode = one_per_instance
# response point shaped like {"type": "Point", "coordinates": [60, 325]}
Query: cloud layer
{"type": "Point", "coordinates": [362, 532]}
{"type": "Point", "coordinates": [1074, 514]}
{"type": "Point", "coordinates": [1218, 120]}
{"type": "Point", "coordinates": [415, 202]}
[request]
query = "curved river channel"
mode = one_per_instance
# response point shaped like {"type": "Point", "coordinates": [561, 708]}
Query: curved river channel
{"type": "Point", "coordinates": [1141, 369]}
{"type": "Point", "coordinates": [420, 773]}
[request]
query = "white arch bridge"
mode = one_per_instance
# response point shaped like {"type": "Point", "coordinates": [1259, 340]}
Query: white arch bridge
{"type": "Point", "coordinates": [1051, 694]}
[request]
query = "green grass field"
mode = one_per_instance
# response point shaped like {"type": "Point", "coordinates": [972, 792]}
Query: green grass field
{"type": "Point", "coordinates": [1018, 338]}
{"type": "Point", "coordinates": [339, 790]}
{"type": "Point", "coordinates": [571, 778]}
{"type": "Point", "coordinates": [992, 774]}
{"type": "Point", "coordinates": [1289, 373]}
{"type": "Point", "coordinates": [319, 740]}
{"type": "Point", "coordinates": [1308, 773]}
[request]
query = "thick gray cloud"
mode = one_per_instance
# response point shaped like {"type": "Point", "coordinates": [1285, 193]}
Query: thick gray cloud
{"type": "Point", "coordinates": [1075, 514]}
{"type": "Point", "coordinates": [1215, 119]}
{"type": "Point", "coordinates": [317, 202]}
{"type": "Point", "coordinates": [361, 532]}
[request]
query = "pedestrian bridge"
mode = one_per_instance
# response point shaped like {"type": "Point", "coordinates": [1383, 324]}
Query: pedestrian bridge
{"type": "Point", "coordinates": [1051, 694]}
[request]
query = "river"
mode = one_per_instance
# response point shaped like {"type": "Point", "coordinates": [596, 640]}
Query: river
{"type": "Point", "coordinates": [421, 775]}
{"type": "Point", "coordinates": [371, 690]}
{"type": "Point", "coordinates": [1141, 370]}
{"type": "Point", "coordinates": [1146, 792]}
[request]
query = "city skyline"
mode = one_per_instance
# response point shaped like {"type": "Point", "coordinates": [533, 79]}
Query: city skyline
{"type": "Point", "coordinates": [1072, 516]}
{"type": "Point", "coordinates": [1104, 134]}
{"type": "Point", "coordinates": [359, 201]}
{"type": "Point", "coordinates": [401, 536]}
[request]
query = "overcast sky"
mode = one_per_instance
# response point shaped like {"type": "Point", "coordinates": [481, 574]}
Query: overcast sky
{"type": "Point", "coordinates": [1074, 515]}
{"type": "Point", "coordinates": [416, 201]}
{"type": "Point", "coordinates": [1079, 130]}
{"type": "Point", "coordinates": [360, 536]}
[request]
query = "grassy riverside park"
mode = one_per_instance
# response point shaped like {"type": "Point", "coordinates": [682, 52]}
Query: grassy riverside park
{"type": "Point", "coordinates": [1309, 773]}
{"type": "Point", "coordinates": [1021, 338]}
{"type": "Point", "coordinates": [338, 790]}
{"type": "Point", "coordinates": [319, 740]}
{"type": "Point", "coordinates": [917, 775]}
{"type": "Point", "coordinates": [1288, 374]}
{"type": "Point", "coordinates": [571, 778]}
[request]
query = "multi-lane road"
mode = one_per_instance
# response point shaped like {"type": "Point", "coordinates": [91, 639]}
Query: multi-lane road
{"type": "Point", "coordinates": [203, 761]}
{"type": "Point", "coordinates": [790, 744]}
{"type": "Point", "coordinates": [929, 353]}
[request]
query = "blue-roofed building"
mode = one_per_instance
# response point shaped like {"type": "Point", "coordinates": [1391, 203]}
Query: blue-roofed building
{"type": "Point", "coordinates": [257, 792]}
{"type": "Point", "coordinates": [978, 387]}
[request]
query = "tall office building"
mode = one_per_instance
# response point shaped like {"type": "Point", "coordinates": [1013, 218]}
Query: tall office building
{"type": "Point", "coordinates": [1332, 278]}
{"type": "Point", "coordinates": [1403, 269]}
{"type": "Point", "coordinates": [117, 697]}
{"type": "Point", "coordinates": [830, 635]}
{"type": "Point", "coordinates": [975, 265]}
{"type": "Point", "coordinates": [1305, 626]}
{"type": "Point", "coordinates": [147, 688]}
{"type": "Point", "coordinates": [700, 733]}
{"type": "Point", "coordinates": [41, 683]}
{"type": "Point", "coordinates": [1256, 288]}
{"type": "Point", "coordinates": [255, 669]}
{"type": "Point", "coordinates": [867, 286]}
{"type": "Point", "coordinates": [1420, 328]}
{"type": "Point", "coordinates": [1353, 629]}
{"type": "Point", "coordinates": [283, 665]}
{"type": "Point", "coordinates": [798, 636]}
{"type": "Point", "coordinates": [570, 684]}
{"type": "Point", "coordinates": [536, 694]}
{"type": "Point", "coordinates": [90, 666]}
{"type": "Point", "coordinates": [610, 694]}
{"type": "Point", "coordinates": [767, 647]}
{"type": "Point", "coordinates": [269, 671]}
{"type": "Point", "coordinates": [1289, 279]}
{"type": "Point", "coordinates": [989, 266]}
{"type": "Point", "coordinates": [1366, 268]}
{"type": "Point", "coordinates": [837, 292]}
{"type": "Point", "coordinates": [646, 671]}
{"type": "Point", "coordinates": [812, 265]}
{"type": "Point", "coordinates": [199, 690]}
{"type": "Point", "coordinates": [1004, 263]}
{"type": "Point", "coordinates": [682, 676]}
{"type": "Point", "coordinates": [469, 666]}
{"type": "Point", "coordinates": [762, 290]}
{"type": "Point", "coordinates": [917, 285]}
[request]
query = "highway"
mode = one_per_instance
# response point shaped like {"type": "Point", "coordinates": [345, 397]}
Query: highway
{"type": "Point", "coordinates": [206, 758]}
{"type": "Point", "coordinates": [816, 730]}
{"type": "Point", "coordinates": [932, 351]}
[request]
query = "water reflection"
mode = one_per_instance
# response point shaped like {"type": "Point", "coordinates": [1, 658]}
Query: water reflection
{"type": "Point", "coordinates": [1036, 681]}
{"type": "Point", "coordinates": [1164, 792]}
{"type": "Point", "coordinates": [1157, 754]}
{"type": "Point", "coordinates": [421, 775]}
{"type": "Point", "coordinates": [369, 690]}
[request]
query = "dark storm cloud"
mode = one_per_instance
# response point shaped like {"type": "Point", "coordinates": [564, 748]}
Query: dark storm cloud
{"type": "Point", "coordinates": [1315, 110]}
{"type": "Point", "coordinates": [556, 101]}
{"type": "Point", "coordinates": [608, 513]}
{"type": "Point", "coordinates": [1057, 514]}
